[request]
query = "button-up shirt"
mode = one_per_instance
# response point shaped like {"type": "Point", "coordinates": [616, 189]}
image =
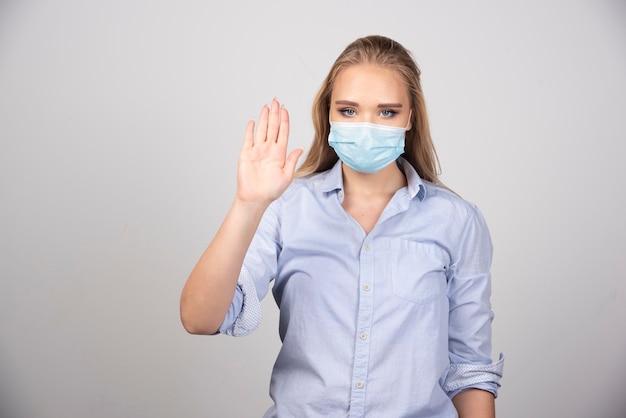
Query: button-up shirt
{"type": "Point", "coordinates": [392, 323]}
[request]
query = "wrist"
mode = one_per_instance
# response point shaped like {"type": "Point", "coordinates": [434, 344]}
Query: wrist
{"type": "Point", "coordinates": [248, 210]}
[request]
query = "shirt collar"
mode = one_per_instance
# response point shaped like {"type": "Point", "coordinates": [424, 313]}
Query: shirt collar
{"type": "Point", "coordinates": [333, 179]}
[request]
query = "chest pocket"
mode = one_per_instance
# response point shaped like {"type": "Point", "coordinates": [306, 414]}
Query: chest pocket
{"type": "Point", "coordinates": [418, 270]}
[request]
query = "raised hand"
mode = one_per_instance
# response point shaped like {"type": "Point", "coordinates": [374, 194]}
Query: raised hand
{"type": "Point", "coordinates": [264, 173]}
{"type": "Point", "coordinates": [265, 170]}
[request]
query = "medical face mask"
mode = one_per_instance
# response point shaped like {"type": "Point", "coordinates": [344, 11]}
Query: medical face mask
{"type": "Point", "coordinates": [366, 147]}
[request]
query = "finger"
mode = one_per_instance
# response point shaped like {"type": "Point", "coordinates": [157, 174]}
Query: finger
{"type": "Point", "coordinates": [274, 121]}
{"type": "Point", "coordinates": [248, 139]}
{"type": "Point", "coordinates": [292, 161]}
{"type": "Point", "coordinates": [261, 129]}
{"type": "Point", "coordinates": [283, 131]}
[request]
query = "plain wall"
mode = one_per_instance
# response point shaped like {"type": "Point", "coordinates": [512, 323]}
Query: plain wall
{"type": "Point", "coordinates": [120, 128]}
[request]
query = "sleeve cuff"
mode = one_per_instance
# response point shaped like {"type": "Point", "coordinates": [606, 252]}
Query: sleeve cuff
{"type": "Point", "coordinates": [244, 315]}
{"type": "Point", "coordinates": [462, 376]}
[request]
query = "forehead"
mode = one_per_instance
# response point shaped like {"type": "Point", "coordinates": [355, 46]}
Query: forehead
{"type": "Point", "coordinates": [371, 82]}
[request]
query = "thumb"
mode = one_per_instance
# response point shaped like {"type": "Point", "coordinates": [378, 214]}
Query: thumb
{"type": "Point", "coordinates": [292, 160]}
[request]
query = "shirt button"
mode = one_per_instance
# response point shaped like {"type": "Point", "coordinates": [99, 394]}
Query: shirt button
{"type": "Point", "coordinates": [368, 246]}
{"type": "Point", "coordinates": [359, 384]}
{"type": "Point", "coordinates": [366, 287]}
{"type": "Point", "coordinates": [363, 336]}
{"type": "Point", "coordinates": [340, 193]}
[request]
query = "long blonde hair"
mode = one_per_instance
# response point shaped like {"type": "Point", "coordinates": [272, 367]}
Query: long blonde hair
{"type": "Point", "coordinates": [419, 149]}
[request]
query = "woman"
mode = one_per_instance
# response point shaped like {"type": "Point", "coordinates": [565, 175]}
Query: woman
{"type": "Point", "coordinates": [381, 274]}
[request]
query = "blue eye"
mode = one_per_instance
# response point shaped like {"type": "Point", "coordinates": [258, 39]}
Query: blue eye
{"type": "Point", "coordinates": [387, 113]}
{"type": "Point", "coordinates": [348, 112]}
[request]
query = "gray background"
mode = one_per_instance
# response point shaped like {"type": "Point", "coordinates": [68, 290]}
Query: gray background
{"type": "Point", "coordinates": [120, 127]}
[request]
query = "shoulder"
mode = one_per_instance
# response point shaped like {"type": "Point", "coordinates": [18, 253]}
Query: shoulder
{"type": "Point", "coordinates": [306, 197]}
{"type": "Point", "coordinates": [461, 221]}
{"type": "Point", "coordinates": [441, 195]}
{"type": "Point", "coordinates": [448, 202]}
{"type": "Point", "coordinates": [428, 195]}
{"type": "Point", "coordinates": [315, 183]}
{"type": "Point", "coordinates": [302, 192]}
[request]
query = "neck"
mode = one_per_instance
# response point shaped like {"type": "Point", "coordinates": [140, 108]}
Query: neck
{"type": "Point", "coordinates": [387, 181]}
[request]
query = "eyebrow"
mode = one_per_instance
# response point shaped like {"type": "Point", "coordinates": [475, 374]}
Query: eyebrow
{"type": "Point", "coordinates": [354, 104]}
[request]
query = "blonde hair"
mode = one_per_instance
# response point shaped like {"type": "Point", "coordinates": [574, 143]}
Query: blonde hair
{"type": "Point", "coordinates": [379, 50]}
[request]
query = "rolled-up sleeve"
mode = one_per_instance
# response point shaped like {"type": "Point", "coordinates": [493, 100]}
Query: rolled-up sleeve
{"type": "Point", "coordinates": [258, 270]}
{"type": "Point", "coordinates": [244, 315]}
{"type": "Point", "coordinates": [469, 292]}
{"type": "Point", "coordinates": [462, 376]}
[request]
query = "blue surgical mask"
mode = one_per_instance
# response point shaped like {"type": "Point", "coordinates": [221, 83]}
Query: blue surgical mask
{"type": "Point", "coordinates": [366, 147]}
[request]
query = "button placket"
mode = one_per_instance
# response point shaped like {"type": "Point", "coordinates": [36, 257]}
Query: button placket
{"type": "Point", "coordinates": [363, 329]}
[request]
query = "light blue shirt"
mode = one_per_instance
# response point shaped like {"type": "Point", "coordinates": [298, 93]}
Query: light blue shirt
{"type": "Point", "coordinates": [393, 323]}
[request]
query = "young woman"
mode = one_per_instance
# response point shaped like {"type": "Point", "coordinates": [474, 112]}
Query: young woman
{"type": "Point", "coordinates": [380, 272]}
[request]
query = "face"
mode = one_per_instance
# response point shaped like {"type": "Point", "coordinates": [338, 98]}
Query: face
{"type": "Point", "coordinates": [370, 93]}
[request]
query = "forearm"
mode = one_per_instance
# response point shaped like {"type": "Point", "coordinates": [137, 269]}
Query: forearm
{"type": "Point", "coordinates": [264, 172]}
{"type": "Point", "coordinates": [475, 403]}
{"type": "Point", "coordinates": [210, 288]}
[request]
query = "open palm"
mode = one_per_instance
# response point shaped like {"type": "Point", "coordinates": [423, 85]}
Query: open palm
{"type": "Point", "coordinates": [265, 170]}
